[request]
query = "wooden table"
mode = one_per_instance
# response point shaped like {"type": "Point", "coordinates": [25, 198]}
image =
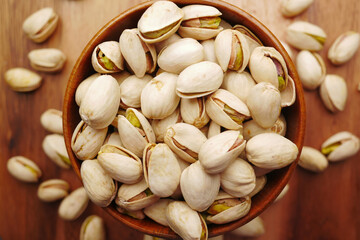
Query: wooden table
{"type": "Point", "coordinates": [317, 206]}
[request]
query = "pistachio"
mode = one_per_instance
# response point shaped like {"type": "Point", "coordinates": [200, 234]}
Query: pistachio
{"type": "Point", "coordinates": [72, 206]}
{"type": "Point", "coordinates": [214, 129]}
{"type": "Point", "coordinates": [113, 139]}
{"type": "Point", "coordinates": [93, 227]}
{"type": "Point", "coordinates": [157, 211]}
{"type": "Point", "coordinates": [107, 58]}
{"type": "Point", "coordinates": [282, 193]}
{"type": "Point", "coordinates": [23, 169]}
{"type": "Point", "coordinates": [22, 79]}
{"type": "Point", "coordinates": [83, 87]}
{"type": "Point", "coordinates": [312, 159]}
{"type": "Point", "coordinates": [54, 147]}
{"type": "Point", "coordinates": [254, 228]}
{"type": "Point", "coordinates": [160, 125]}
{"type": "Point", "coordinates": [209, 50]}
{"type": "Point", "coordinates": [53, 190]}
{"type": "Point", "coordinates": [251, 128]}
{"type": "Point", "coordinates": [130, 91]}
{"type": "Point", "coordinates": [148, 237]}
{"type": "Point", "coordinates": [288, 95]}
{"type": "Point", "coordinates": [183, 165]}
{"type": "Point", "coordinates": [291, 8]}
{"type": "Point", "coordinates": [333, 92]}
{"type": "Point", "coordinates": [160, 45]}
{"type": "Point", "coordinates": [260, 183]}
{"type": "Point", "coordinates": [252, 40]}
{"type": "Point", "coordinates": [47, 59]}
{"type": "Point", "coordinates": [120, 76]}
{"type": "Point", "coordinates": [193, 112]}
{"type": "Point", "coordinates": [287, 48]}
{"type": "Point", "coordinates": [138, 214]}
{"type": "Point", "coordinates": [238, 84]}
{"type": "Point", "coordinates": [51, 120]}
{"type": "Point", "coordinates": [344, 47]}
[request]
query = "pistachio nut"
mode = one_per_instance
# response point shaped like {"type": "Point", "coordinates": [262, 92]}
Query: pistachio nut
{"type": "Point", "coordinates": [177, 56]}
{"type": "Point", "coordinates": [107, 57]}
{"type": "Point", "coordinates": [160, 45]}
{"type": "Point", "coordinates": [232, 50]}
{"type": "Point", "coordinates": [259, 172]}
{"type": "Point", "coordinates": [47, 59]}
{"type": "Point", "coordinates": [99, 186]}
{"type": "Point", "coordinates": [219, 151]}
{"type": "Point", "coordinates": [305, 36]}
{"type": "Point", "coordinates": [209, 50]}
{"type": "Point", "coordinates": [130, 91]}
{"type": "Point", "coordinates": [185, 141]}
{"type": "Point", "coordinates": [134, 214]}
{"type": "Point", "coordinates": [291, 8]}
{"type": "Point", "coordinates": [113, 139]}
{"type": "Point", "coordinates": [238, 179]}
{"type": "Point", "coordinates": [214, 129]}
{"type": "Point", "coordinates": [200, 22]}
{"type": "Point", "coordinates": [53, 190]}
{"type": "Point", "coordinates": [260, 183]}
{"type": "Point", "coordinates": [41, 24]}
{"type": "Point", "coordinates": [120, 76]}
{"type": "Point", "coordinates": [161, 169]}
{"type": "Point", "coordinates": [199, 79]}
{"type": "Point", "coordinates": [251, 128]}
{"type": "Point", "coordinates": [340, 146]}
{"type": "Point", "coordinates": [312, 159]}
{"type": "Point", "coordinates": [186, 222]}
{"type": "Point", "coordinates": [135, 196]}
{"type": "Point", "coordinates": [160, 125]}
{"type": "Point", "coordinates": [121, 164]}
{"type": "Point", "coordinates": [252, 40]}
{"type": "Point", "coordinates": [311, 69]}
{"type": "Point", "coordinates": [93, 227]}
{"type": "Point", "coordinates": [22, 79]}
{"type": "Point", "coordinates": [158, 98]}
{"type": "Point", "coordinates": [287, 48]}
{"type": "Point", "coordinates": [227, 208]}
{"type": "Point", "coordinates": [193, 111]}
{"type": "Point", "coordinates": [86, 141]}
{"type": "Point", "coordinates": [288, 95]}
{"type": "Point", "coordinates": [333, 92]}
{"type": "Point", "coordinates": [54, 147]}
{"type": "Point", "coordinates": [135, 131]}
{"type": "Point", "coordinates": [271, 150]}
{"type": "Point", "coordinates": [238, 84]}
{"type": "Point", "coordinates": [73, 205]}
{"type": "Point", "coordinates": [148, 237]}
{"type": "Point", "coordinates": [268, 65]}
{"type": "Point", "coordinates": [157, 211]}
{"type": "Point", "coordinates": [198, 187]}
{"type": "Point", "coordinates": [51, 120]}
{"type": "Point", "coordinates": [264, 103]}
{"type": "Point", "coordinates": [83, 87]}
{"type": "Point", "coordinates": [23, 169]}
{"type": "Point", "coordinates": [282, 193]}
{"type": "Point", "coordinates": [344, 47]}
{"type": "Point", "coordinates": [183, 165]}
{"type": "Point", "coordinates": [225, 25]}
{"type": "Point", "coordinates": [140, 56]}
{"type": "Point", "coordinates": [159, 21]}
{"type": "Point", "coordinates": [254, 228]}
{"type": "Point", "coordinates": [121, 112]}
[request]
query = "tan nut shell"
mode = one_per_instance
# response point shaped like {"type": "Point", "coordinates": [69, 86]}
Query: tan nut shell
{"type": "Point", "coordinates": [22, 79]}
{"type": "Point", "coordinates": [72, 206]}
{"type": "Point", "coordinates": [282, 193]}
{"type": "Point", "coordinates": [254, 228]}
{"type": "Point", "coordinates": [111, 50]}
{"type": "Point", "coordinates": [312, 159]}
{"type": "Point", "coordinates": [160, 45]}
{"type": "Point", "coordinates": [83, 87]}
{"type": "Point", "coordinates": [193, 111]}
{"type": "Point", "coordinates": [51, 120]}
{"type": "Point", "coordinates": [344, 47]}
{"type": "Point", "coordinates": [131, 88]}
{"type": "Point", "coordinates": [291, 8]}
{"type": "Point", "coordinates": [333, 92]}
{"type": "Point", "coordinates": [238, 84]}
{"type": "Point", "coordinates": [214, 129]}
{"type": "Point", "coordinates": [23, 169]}
{"type": "Point", "coordinates": [160, 125]}
{"type": "Point", "coordinates": [157, 211]}
{"type": "Point", "coordinates": [54, 147]}
{"type": "Point", "coordinates": [252, 40]}
{"type": "Point", "coordinates": [53, 190]}
{"type": "Point", "coordinates": [93, 228]}
{"type": "Point", "coordinates": [209, 50]}
{"type": "Point", "coordinates": [251, 128]}
{"type": "Point", "coordinates": [260, 183]}
{"type": "Point", "coordinates": [47, 59]}
{"type": "Point", "coordinates": [349, 146]}
{"type": "Point", "coordinates": [288, 95]}
{"type": "Point", "coordinates": [113, 139]}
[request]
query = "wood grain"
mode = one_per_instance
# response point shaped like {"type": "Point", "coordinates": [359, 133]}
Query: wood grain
{"type": "Point", "coordinates": [317, 206]}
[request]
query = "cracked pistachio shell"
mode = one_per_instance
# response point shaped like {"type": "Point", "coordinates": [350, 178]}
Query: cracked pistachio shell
{"type": "Point", "coordinates": [238, 84]}
{"type": "Point", "coordinates": [157, 211]}
{"type": "Point", "coordinates": [288, 95]}
{"type": "Point", "coordinates": [86, 141]}
{"type": "Point", "coordinates": [311, 69]}
{"type": "Point", "coordinates": [312, 159]}
{"type": "Point", "coordinates": [54, 147]}
{"type": "Point", "coordinates": [225, 25]}
{"type": "Point", "coordinates": [251, 128]}
{"type": "Point", "coordinates": [305, 36]}
{"type": "Point", "coordinates": [186, 222]}
{"type": "Point", "coordinates": [121, 164]}
{"type": "Point", "coordinates": [107, 57]}
{"type": "Point", "coordinates": [214, 129]}
{"type": "Point", "coordinates": [254, 228]}
{"type": "Point", "coordinates": [264, 103]}
{"type": "Point", "coordinates": [229, 56]}
{"type": "Point", "coordinates": [47, 59]}
{"type": "Point", "coordinates": [134, 214]}
{"type": "Point", "coordinates": [140, 56]}
{"type": "Point", "coordinates": [41, 24]}
{"type": "Point", "coordinates": [51, 120]}
{"type": "Point", "coordinates": [178, 55]}
{"type": "Point", "coordinates": [226, 109]}
{"type": "Point", "coordinates": [333, 92]}
{"type": "Point", "coordinates": [113, 139]}
{"type": "Point", "coordinates": [159, 21]}
{"type": "Point", "coordinates": [22, 79]}
{"type": "Point", "coordinates": [130, 91]}
{"type": "Point", "coordinates": [73, 205]}
{"type": "Point", "coordinates": [83, 87]}
{"type": "Point", "coordinates": [52, 190]}
{"type": "Point", "coordinates": [340, 146]}
{"type": "Point", "coordinates": [268, 65]}
{"type": "Point", "coordinates": [260, 183]}
{"type": "Point", "coordinates": [198, 187]}
{"type": "Point", "coordinates": [199, 79]}
{"type": "Point", "coordinates": [185, 141]}
{"type": "Point", "coordinates": [219, 151]}
{"type": "Point", "coordinates": [93, 227]}
{"type": "Point", "coordinates": [344, 47]}
{"type": "Point", "coordinates": [197, 19]}
{"type": "Point", "coordinates": [252, 40]}
{"type": "Point", "coordinates": [23, 169]}
{"type": "Point", "coordinates": [135, 196]}
{"type": "Point", "coordinates": [160, 125]}
{"type": "Point", "coordinates": [135, 131]}
{"type": "Point", "coordinates": [259, 172]}
{"type": "Point", "coordinates": [183, 165]}
{"type": "Point", "coordinates": [238, 179]}
{"type": "Point", "coordinates": [209, 50]}
{"type": "Point", "coordinates": [193, 111]}
{"type": "Point", "coordinates": [101, 102]}
{"type": "Point", "coordinates": [161, 169]}
{"type": "Point", "coordinates": [291, 8]}
{"type": "Point", "coordinates": [282, 193]}
{"type": "Point", "coordinates": [288, 49]}
{"type": "Point", "coordinates": [160, 45]}
{"type": "Point", "coordinates": [271, 150]}
{"type": "Point", "coordinates": [227, 208]}
{"type": "Point", "coordinates": [120, 76]}
{"type": "Point", "coordinates": [99, 186]}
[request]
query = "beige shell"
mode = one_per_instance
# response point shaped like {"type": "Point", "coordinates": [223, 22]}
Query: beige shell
{"type": "Point", "coordinates": [138, 214]}
{"type": "Point", "coordinates": [160, 45]}
{"type": "Point", "coordinates": [130, 91]}
{"type": "Point", "coordinates": [282, 193]}
{"type": "Point", "coordinates": [22, 79]}
{"type": "Point", "coordinates": [41, 24]}
{"type": "Point", "coordinates": [288, 49]}
{"type": "Point", "coordinates": [238, 84]}
{"type": "Point", "coordinates": [209, 50]}
{"type": "Point", "coordinates": [73, 205]}
{"type": "Point", "coordinates": [259, 172]}
{"type": "Point", "coordinates": [312, 159]}
{"type": "Point", "coordinates": [254, 228]}
{"type": "Point", "coordinates": [199, 79]}
{"type": "Point", "coordinates": [291, 8]}
{"type": "Point", "coordinates": [120, 76]}
{"type": "Point", "coordinates": [251, 128]}
{"type": "Point", "coordinates": [53, 190]}
{"type": "Point", "coordinates": [83, 87]}
{"type": "Point", "coordinates": [113, 139]}
{"type": "Point", "coordinates": [54, 147]}
{"type": "Point", "coordinates": [47, 59]}
{"type": "Point", "coordinates": [288, 95]}
{"type": "Point", "coordinates": [333, 92]}
{"type": "Point", "coordinates": [218, 152]}
{"type": "Point", "coordinates": [252, 40]}
{"type": "Point", "coordinates": [183, 165]}
{"type": "Point", "coordinates": [162, 16]}
{"type": "Point", "coordinates": [260, 183]}
{"type": "Point", "coordinates": [198, 187]}
{"type": "Point", "coordinates": [114, 59]}
{"type": "Point", "coordinates": [160, 126]}
{"type": "Point", "coordinates": [23, 169]}
{"type": "Point", "coordinates": [193, 112]}
{"type": "Point", "coordinates": [92, 228]}
{"type": "Point", "coordinates": [214, 129]}
{"type": "Point", "coordinates": [344, 47]}
{"type": "Point", "coordinates": [157, 211]}
{"type": "Point", "coordinates": [140, 56]}
{"type": "Point", "coordinates": [51, 120]}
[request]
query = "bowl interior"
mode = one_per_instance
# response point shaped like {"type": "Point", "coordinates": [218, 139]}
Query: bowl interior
{"type": "Point", "coordinates": [295, 115]}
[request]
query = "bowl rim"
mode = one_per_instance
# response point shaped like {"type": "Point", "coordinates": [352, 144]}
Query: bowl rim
{"type": "Point", "coordinates": [219, 229]}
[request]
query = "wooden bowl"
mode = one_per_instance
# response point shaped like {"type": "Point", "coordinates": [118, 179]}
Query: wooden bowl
{"type": "Point", "coordinates": [295, 115]}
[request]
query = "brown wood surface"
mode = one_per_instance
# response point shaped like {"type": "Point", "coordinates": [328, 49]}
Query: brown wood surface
{"type": "Point", "coordinates": [317, 206]}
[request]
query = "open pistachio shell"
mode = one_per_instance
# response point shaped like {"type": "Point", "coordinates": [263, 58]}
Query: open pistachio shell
{"type": "Point", "coordinates": [344, 47]}
{"type": "Point", "coordinates": [288, 49]}
{"type": "Point", "coordinates": [160, 45]}
{"type": "Point", "coordinates": [51, 120]}
{"type": "Point", "coordinates": [183, 165]}
{"type": "Point", "coordinates": [193, 112]}
{"type": "Point", "coordinates": [282, 193]}
{"type": "Point", "coordinates": [209, 50]}
{"type": "Point", "coordinates": [130, 91]}
{"type": "Point", "coordinates": [160, 125]}
{"type": "Point", "coordinates": [238, 84]}
{"type": "Point", "coordinates": [288, 95]}
{"type": "Point", "coordinates": [214, 129]}
{"type": "Point", "coordinates": [23, 169]}
{"type": "Point", "coordinates": [260, 183]}
{"type": "Point", "coordinates": [54, 147]}
{"type": "Point", "coordinates": [252, 40]}
{"type": "Point", "coordinates": [254, 228]}
{"type": "Point", "coordinates": [291, 8]}
{"type": "Point", "coordinates": [47, 59]}
{"type": "Point", "coordinates": [251, 128]}
{"type": "Point", "coordinates": [333, 92]}
{"type": "Point", "coordinates": [93, 227]}
{"type": "Point", "coordinates": [157, 211]}
{"type": "Point", "coordinates": [22, 79]}
{"type": "Point", "coordinates": [83, 87]}
{"type": "Point", "coordinates": [312, 159]}
{"type": "Point", "coordinates": [113, 139]}
{"type": "Point", "coordinates": [107, 57]}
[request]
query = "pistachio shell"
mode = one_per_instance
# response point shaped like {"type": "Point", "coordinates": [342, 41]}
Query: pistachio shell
{"type": "Point", "coordinates": [259, 172]}
{"type": "Point", "coordinates": [54, 147]}
{"type": "Point", "coordinates": [183, 165]}
{"type": "Point", "coordinates": [312, 159]}
{"type": "Point", "coordinates": [157, 211]}
{"type": "Point", "coordinates": [209, 50]}
{"type": "Point", "coordinates": [287, 48]}
{"type": "Point", "coordinates": [138, 214]}
{"type": "Point", "coordinates": [93, 227]}
{"type": "Point", "coordinates": [252, 40]}
{"type": "Point", "coordinates": [73, 205]}
{"type": "Point", "coordinates": [254, 228]}
{"type": "Point", "coordinates": [260, 183]}
{"type": "Point", "coordinates": [51, 120]}
{"type": "Point", "coordinates": [83, 87]}
{"type": "Point", "coordinates": [130, 91]}
{"type": "Point", "coordinates": [238, 84]}
{"type": "Point", "coordinates": [22, 79]}
{"type": "Point", "coordinates": [107, 57]}
{"type": "Point", "coordinates": [23, 169]}
{"type": "Point", "coordinates": [52, 190]}
{"type": "Point", "coordinates": [251, 128]}
{"type": "Point", "coordinates": [120, 76]}
{"type": "Point", "coordinates": [344, 47]}
{"type": "Point", "coordinates": [214, 129]}
{"type": "Point", "coordinates": [193, 112]}
{"type": "Point", "coordinates": [291, 8]}
{"type": "Point", "coordinates": [47, 59]}
{"type": "Point", "coordinates": [288, 95]}
{"type": "Point", "coordinates": [282, 193]}
{"type": "Point", "coordinates": [160, 45]}
{"type": "Point", "coordinates": [113, 139]}
{"type": "Point", "coordinates": [148, 237]}
{"type": "Point", "coordinates": [333, 92]}
{"type": "Point", "coordinates": [160, 126]}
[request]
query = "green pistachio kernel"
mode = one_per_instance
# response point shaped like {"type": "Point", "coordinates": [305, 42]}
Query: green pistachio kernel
{"type": "Point", "coordinates": [210, 22]}
{"type": "Point", "coordinates": [234, 115]}
{"type": "Point", "coordinates": [281, 81]}
{"type": "Point", "coordinates": [329, 149]}
{"type": "Point", "coordinates": [31, 170]}
{"type": "Point", "coordinates": [321, 40]}
{"type": "Point", "coordinates": [64, 159]}
{"type": "Point", "coordinates": [217, 208]}
{"type": "Point", "coordinates": [159, 33]}
{"type": "Point", "coordinates": [131, 117]}
{"type": "Point", "coordinates": [148, 192]}
{"type": "Point", "coordinates": [105, 62]}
